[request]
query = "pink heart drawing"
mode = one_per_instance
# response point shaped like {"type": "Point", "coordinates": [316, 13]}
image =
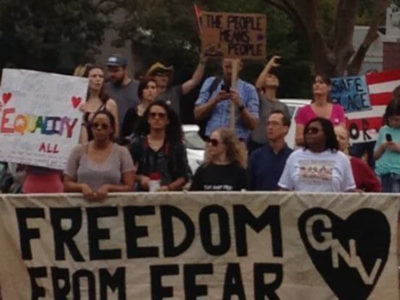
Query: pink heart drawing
{"type": "Point", "coordinates": [6, 97]}
{"type": "Point", "coordinates": [76, 101]}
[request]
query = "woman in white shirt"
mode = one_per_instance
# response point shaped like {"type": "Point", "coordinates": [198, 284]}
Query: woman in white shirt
{"type": "Point", "coordinates": [320, 166]}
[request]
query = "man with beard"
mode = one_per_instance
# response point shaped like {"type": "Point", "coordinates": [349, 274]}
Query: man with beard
{"type": "Point", "coordinates": [121, 87]}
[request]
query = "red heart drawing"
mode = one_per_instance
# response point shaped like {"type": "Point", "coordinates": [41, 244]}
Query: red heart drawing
{"type": "Point", "coordinates": [6, 97]}
{"type": "Point", "coordinates": [76, 101]}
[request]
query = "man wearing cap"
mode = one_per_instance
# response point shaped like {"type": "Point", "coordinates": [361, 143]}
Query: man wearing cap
{"type": "Point", "coordinates": [215, 100]}
{"type": "Point", "coordinates": [172, 94]}
{"type": "Point", "coordinates": [121, 88]}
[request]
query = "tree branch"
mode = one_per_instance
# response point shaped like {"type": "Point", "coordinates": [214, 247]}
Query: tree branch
{"type": "Point", "coordinates": [372, 34]}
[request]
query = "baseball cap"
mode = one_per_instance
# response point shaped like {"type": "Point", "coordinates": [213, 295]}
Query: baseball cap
{"type": "Point", "coordinates": [117, 60]}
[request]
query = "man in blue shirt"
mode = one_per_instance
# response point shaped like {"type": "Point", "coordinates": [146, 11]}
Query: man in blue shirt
{"type": "Point", "coordinates": [266, 164]}
{"type": "Point", "coordinates": [215, 103]}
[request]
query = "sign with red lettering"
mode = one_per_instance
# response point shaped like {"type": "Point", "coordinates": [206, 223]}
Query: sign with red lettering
{"type": "Point", "coordinates": [233, 35]}
{"type": "Point", "coordinates": [40, 120]}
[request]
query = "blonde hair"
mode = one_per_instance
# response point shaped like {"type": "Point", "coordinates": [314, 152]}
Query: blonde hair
{"type": "Point", "coordinates": [235, 150]}
{"type": "Point", "coordinates": [80, 70]}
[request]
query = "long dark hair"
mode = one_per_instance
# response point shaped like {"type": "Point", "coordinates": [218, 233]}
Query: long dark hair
{"type": "Point", "coordinates": [174, 133]}
{"type": "Point", "coordinates": [327, 127]}
{"type": "Point", "coordinates": [392, 109]}
{"type": "Point", "coordinates": [103, 95]}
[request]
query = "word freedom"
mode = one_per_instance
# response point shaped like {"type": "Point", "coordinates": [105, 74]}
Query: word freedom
{"type": "Point", "coordinates": [178, 232]}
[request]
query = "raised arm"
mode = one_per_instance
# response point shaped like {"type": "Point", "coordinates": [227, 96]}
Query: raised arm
{"type": "Point", "coordinates": [272, 63]}
{"type": "Point", "coordinates": [190, 84]}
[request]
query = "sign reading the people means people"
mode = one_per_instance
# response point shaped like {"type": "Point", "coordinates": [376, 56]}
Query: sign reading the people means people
{"type": "Point", "coordinates": [40, 120]}
{"type": "Point", "coordinates": [199, 245]}
{"type": "Point", "coordinates": [233, 35]}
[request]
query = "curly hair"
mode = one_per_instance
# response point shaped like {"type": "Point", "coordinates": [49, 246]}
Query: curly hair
{"type": "Point", "coordinates": [103, 95]}
{"type": "Point", "coordinates": [327, 127]}
{"type": "Point", "coordinates": [235, 151]}
{"type": "Point", "coordinates": [174, 133]}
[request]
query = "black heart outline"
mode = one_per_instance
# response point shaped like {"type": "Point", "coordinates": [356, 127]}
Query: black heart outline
{"type": "Point", "coordinates": [367, 226]}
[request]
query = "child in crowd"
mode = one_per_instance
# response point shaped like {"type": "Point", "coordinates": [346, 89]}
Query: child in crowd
{"type": "Point", "coordinates": [387, 149]}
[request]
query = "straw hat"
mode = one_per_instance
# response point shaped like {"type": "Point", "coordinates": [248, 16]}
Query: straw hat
{"type": "Point", "coordinates": [160, 68]}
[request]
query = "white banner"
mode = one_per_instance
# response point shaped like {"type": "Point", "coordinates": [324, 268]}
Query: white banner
{"type": "Point", "coordinates": [40, 120]}
{"type": "Point", "coordinates": [200, 246]}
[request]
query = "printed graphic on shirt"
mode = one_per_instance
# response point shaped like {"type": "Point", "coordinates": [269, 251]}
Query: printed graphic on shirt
{"type": "Point", "coordinates": [218, 187]}
{"type": "Point", "coordinates": [316, 171]}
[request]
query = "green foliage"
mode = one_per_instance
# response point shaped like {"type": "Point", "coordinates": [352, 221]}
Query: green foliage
{"type": "Point", "coordinates": [49, 34]}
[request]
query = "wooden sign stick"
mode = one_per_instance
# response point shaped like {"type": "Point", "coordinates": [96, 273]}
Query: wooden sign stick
{"type": "Point", "coordinates": [235, 68]}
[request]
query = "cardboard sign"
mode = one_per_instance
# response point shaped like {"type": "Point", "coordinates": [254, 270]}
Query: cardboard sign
{"type": "Point", "coordinates": [351, 92]}
{"type": "Point", "coordinates": [200, 245]}
{"type": "Point", "coordinates": [233, 35]}
{"type": "Point", "coordinates": [40, 120]}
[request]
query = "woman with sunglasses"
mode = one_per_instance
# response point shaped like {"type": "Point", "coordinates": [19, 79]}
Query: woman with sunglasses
{"type": "Point", "coordinates": [100, 166]}
{"type": "Point", "coordinates": [159, 151]}
{"type": "Point", "coordinates": [224, 169]}
{"type": "Point", "coordinates": [321, 106]}
{"type": "Point", "coordinates": [147, 92]}
{"type": "Point", "coordinates": [97, 100]}
{"type": "Point", "coordinates": [364, 176]}
{"type": "Point", "coordinates": [320, 166]}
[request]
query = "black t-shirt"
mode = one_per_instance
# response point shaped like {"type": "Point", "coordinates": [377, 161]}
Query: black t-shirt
{"type": "Point", "coordinates": [213, 177]}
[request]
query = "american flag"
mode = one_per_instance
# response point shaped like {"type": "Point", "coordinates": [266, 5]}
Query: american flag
{"type": "Point", "coordinates": [364, 126]}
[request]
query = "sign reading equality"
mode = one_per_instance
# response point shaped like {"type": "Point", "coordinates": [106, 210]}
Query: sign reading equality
{"type": "Point", "coordinates": [40, 120]}
{"type": "Point", "coordinates": [199, 245]}
{"type": "Point", "coordinates": [233, 35]}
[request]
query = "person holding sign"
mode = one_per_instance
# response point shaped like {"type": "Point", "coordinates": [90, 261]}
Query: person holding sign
{"type": "Point", "coordinates": [159, 151]}
{"type": "Point", "coordinates": [224, 169]}
{"type": "Point", "coordinates": [97, 100]}
{"type": "Point", "coordinates": [387, 149]}
{"type": "Point", "coordinates": [100, 166]}
{"type": "Point", "coordinates": [320, 166]}
{"type": "Point", "coordinates": [216, 104]}
{"type": "Point", "coordinates": [321, 106]}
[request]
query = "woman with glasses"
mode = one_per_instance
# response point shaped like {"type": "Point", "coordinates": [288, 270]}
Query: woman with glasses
{"type": "Point", "coordinates": [321, 106]}
{"type": "Point", "coordinates": [224, 169]}
{"type": "Point", "coordinates": [158, 149]}
{"type": "Point", "coordinates": [320, 166]}
{"type": "Point", "coordinates": [100, 166]}
{"type": "Point", "coordinates": [97, 100]}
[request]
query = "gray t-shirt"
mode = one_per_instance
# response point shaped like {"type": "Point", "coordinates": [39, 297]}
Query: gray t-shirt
{"type": "Point", "coordinates": [126, 97]}
{"type": "Point", "coordinates": [172, 97]}
{"type": "Point", "coordinates": [95, 174]}
{"type": "Point", "coordinates": [259, 135]}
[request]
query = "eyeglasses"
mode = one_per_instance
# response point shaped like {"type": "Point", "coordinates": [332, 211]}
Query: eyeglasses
{"type": "Point", "coordinates": [160, 115]}
{"type": "Point", "coordinates": [102, 126]}
{"type": "Point", "coordinates": [213, 142]}
{"type": "Point", "coordinates": [312, 130]}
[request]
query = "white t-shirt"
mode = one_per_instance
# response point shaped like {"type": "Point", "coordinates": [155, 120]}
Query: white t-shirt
{"type": "Point", "coordinates": [317, 172]}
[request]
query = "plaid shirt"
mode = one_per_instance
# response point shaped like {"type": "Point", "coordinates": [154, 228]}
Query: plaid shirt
{"type": "Point", "coordinates": [220, 116]}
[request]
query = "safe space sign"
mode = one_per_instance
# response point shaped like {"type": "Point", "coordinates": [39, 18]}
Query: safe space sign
{"type": "Point", "coordinates": [232, 35]}
{"type": "Point", "coordinates": [199, 246]}
{"type": "Point", "coordinates": [40, 120]}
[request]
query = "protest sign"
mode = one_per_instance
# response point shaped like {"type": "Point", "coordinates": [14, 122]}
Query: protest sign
{"type": "Point", "coordinates": [185, 246]}
{"type": "Point", "coordinates": [364, 124]}
{"type": "Point", "coordinates": [40, 120]}
{"type": "Point", "coordinates": [351, 92]}
{"type": "Point", "coordinates": [233, 35]}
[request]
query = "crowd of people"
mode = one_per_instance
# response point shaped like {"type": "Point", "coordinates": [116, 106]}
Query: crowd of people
{"type": "Point", "coordinates": [132, 139]}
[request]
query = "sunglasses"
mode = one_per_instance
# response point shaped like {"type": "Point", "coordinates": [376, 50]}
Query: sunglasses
{"type": "Point", "coordinates": [100, 126]}
{"type": "Point", "coordinates": [160, 115]}
{"type": "Point", "coordinates": [312, 130]}
{"type": "Point", "coordinates": [213, 142]}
